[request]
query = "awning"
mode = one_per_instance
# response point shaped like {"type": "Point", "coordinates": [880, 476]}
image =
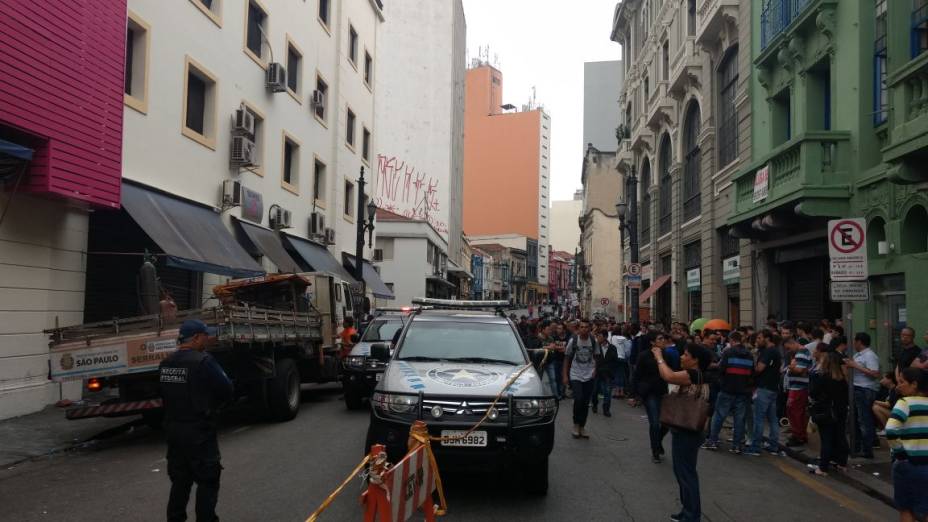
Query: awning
{"type": "Point", "coordinates": [371, 277]}
{"type": "Point", "coordinates": [15, 150]}
{"type": "Point", "coordinates": [193, 236]}
{"type": "Point", "coordinates": [316, 257]}
{"type": "Point", "coordinates": [658, 283]}
{"type": "Point", "coordinates": [440, 281]}
{"type": "Point", "coordinates": [261, 241]}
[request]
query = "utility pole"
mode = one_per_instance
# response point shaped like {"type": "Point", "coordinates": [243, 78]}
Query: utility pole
{"type": "Point", "coordinates": [363, 225]}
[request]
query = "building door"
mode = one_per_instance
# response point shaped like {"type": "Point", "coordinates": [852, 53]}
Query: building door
{"type": "Point", "coordinates": [734, 305]}
{"type": "Point", "coordinates": [893, 316]}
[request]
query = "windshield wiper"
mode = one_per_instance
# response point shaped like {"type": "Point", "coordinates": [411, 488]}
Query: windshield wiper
{"type": "Point", "coordinates": [421, 358]}
{"type": "Point", "coordinates": [485, 360]}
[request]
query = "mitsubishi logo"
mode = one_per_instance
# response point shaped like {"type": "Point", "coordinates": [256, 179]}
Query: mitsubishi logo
{"type": "Point", "coordinates": [464, 410]}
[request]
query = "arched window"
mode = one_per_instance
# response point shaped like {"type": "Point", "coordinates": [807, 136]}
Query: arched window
{"type": "Point", "coordinates": [915, 231]}
{"type": "Point", "coordinates": [645, 221]}
{"type": "Point", "coordinates": [692, 184]}
{"type": "Point", "coordinates": [666, 187]}
{"type": "Point", "coordinates": [728, 119]}
{"type": "Point", "coordinates": [876, 232]}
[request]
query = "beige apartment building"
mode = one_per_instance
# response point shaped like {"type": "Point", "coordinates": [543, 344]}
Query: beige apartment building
{"type": "Point", "coordinates": [685, 133]}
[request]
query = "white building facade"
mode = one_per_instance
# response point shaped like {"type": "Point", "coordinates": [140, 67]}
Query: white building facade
{"type": "Point", "coordinates": [411, 256]}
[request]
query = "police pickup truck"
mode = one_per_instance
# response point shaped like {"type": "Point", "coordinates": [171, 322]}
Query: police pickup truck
{"type": "Point", "coordinates": [452, 359]}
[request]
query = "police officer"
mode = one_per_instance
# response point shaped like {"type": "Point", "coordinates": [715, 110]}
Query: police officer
{"type": "Point", "coordinates": [193, 386]}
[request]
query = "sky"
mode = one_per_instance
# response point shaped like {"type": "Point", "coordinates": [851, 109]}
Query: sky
{"type": "Point", "coordinates": [544, 43]}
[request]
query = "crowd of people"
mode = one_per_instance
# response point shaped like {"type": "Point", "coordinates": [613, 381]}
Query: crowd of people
{"type": "Point", "coordinates": [786, 375]}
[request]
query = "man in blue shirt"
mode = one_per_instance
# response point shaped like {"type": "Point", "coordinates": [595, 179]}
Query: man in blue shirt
{"type": "Point", "coordinates": [736, 369]}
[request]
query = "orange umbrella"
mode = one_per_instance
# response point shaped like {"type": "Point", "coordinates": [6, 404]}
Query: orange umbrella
{"type": "Point", "coordinates": [717, 324]}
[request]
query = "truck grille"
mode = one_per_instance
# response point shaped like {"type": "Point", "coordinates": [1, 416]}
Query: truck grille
{"type": "Point", "coordinates": [453, 409]}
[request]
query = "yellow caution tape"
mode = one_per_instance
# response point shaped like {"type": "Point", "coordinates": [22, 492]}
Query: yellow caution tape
{"type": "Point", "coordinates": [331, 497]}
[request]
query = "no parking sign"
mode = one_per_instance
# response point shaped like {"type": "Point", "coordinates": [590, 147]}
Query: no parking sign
{"type": "Point", "coordinates": [847, 249]}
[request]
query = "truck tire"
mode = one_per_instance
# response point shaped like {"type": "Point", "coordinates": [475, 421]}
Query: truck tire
{"type": "Point", "coordinates": [353, 399]}
{"type": "Point", "coordinates": [535, 476]}
{"type": "Point", "coordinates": [283, 391]}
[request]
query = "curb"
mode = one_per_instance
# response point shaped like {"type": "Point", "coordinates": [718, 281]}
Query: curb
{"type": "Point", "coordinates": [74, 445]}
{"type": "Point", "coordinates": [846, 478]}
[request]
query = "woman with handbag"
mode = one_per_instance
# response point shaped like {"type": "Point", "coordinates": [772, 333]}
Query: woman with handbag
{"type": "Point", "coordinates": [686, 412]}
{"type": "Point", "coordinates": [829, 394]}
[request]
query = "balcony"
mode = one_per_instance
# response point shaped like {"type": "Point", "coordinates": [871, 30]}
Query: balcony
{"type": "Point", "coordinates": [641, 135]}
{"type": "Point", "coordinates": [812, 169]}
{"type": "Point", "coordinates": [710, 18]}
{"type": "Point", "coordinates": [908, 137]}
{"type": "Point", "coordinates": [685, 69]}
{"type": "Point", "coordinates": [660, 107]}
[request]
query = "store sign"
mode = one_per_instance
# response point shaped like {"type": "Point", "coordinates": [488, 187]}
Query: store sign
{"type": "Point", "coordinates": [646, 272]}
{"type": "Point", "coordinates": [761, 184]}
{"type": "Point", "coordinates": [850, 291]}
{"type": "Point", "coordinates": [252, 205]}
{"type": "Point", "coordinates": [693, 280]}
{"type": "Point", "coordinates": [633, 281]}
{"type": "Point", "coordinates": [731, 270]}
{"type": "Point", "coordinates": [847, 249]}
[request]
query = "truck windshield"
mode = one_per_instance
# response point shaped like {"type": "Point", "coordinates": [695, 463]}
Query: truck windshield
{"type": "Point", "coordinates": [477, 342]}
{"type": "Point", "coordinates": [381, 331]}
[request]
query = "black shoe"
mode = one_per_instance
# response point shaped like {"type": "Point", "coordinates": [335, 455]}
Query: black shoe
{"type": "Point", "coordinates": [656, 459]}
{"type": "Point", "coordinates": [867, 456]}
{"type": "Point", "coordinates": [595, 409]}
{"type": "Point", "coordinates": [661, 450]}
{"type": "Point", "coordinates": [607, 414]}
{"type": "Point", "coordinates": [676, 517]}
{"type": "Point", "coordinates": [792, 443]}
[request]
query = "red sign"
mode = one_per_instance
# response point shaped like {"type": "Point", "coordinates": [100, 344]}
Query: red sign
{"type": "Point", "coordinates": [847, 236]}
{"type": "Point", "coordinates": [604, 301]}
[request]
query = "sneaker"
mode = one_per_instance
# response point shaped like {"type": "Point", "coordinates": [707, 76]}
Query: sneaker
{"type": "Point", "coordinates": [595, 409]}
{"type": "Point", "coordinates": [584, 434]}
{"type": "Point", "coordinates": [752, 452]}
{"type": "Point", "coordinates": [576, 432]}
{"type": "Point", "coordinates": [607, 414]}
{"type": "Point", "coordinates": [656, 459]}
{"type": "Point", "coordinates": [676, 517]}
{"type": "Point", "coordinates": [735, 450]}
{"type": "Point", "coordinates": [709, 445]}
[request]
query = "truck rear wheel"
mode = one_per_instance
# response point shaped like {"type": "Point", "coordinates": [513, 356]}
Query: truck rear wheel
{"type": "Point", "coordinates": [283, 391]}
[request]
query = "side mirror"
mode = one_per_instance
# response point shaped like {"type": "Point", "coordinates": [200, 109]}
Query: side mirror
{"type": "Point", "coordinates": [355, 338]}
{"type": "Point", "coordinates": [380, 352]}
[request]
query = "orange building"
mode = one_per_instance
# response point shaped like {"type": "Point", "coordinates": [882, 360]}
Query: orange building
{"type": "Point", "coordinates": [506, 165]}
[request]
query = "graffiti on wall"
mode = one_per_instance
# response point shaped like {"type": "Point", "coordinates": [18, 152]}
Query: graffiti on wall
{"type": "Point", "coordinates": [403, 190]}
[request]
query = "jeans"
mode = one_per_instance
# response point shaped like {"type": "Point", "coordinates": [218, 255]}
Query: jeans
{"type": "Point", "coordinates": [797, 403]}
{"type": "Point", "coordinates": [603, 386]}
{"type": "Point", "coordinates": [726, 404]}
{"type": "Point", "coordinates": [553, 370]}
{"type": "Point", "coordinates": [189, 464]}
{"type": "Point", "coordinates": [685, 445]}
{"type": "Point", "coordinates": [765, 409]}
{"type": "Point", "coordinates": [863, 405]}
{"type": "Point", "coordinates": [620, 379]}
{"type": "Point", "coordinates": [656, 432]}
{"type": "Point", "coordinates": [834, 443]}
{"type": "Point", "coordinates": [583, 391]}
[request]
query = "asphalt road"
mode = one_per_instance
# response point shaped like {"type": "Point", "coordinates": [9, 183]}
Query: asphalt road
{"type": "Point", "coordinates": [284, 471]}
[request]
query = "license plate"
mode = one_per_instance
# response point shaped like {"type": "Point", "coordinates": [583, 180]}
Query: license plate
{"type": "Point", "coordinates": [378, 377]}
{"type": "Point", "coordinates": [477, 439]}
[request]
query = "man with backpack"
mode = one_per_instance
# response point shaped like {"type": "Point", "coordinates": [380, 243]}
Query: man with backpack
{"type": "Point", "coordinates": [579, 372]}
{"type": "Point", "coordinates": [736, 369]}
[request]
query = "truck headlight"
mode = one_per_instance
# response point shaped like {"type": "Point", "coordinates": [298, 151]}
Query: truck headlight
{"type": "Point", "coordinates": [355, 361]}
{"type": "Point", "coordinates": [535, 407]}
{"type": "Point", "coordinates": [391, 403]}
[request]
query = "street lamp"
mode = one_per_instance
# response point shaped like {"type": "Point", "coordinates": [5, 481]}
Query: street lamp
{"type": "Point", "coordinates": [627, 210]}
{"type": "Point", "coordinates": [363, 225]}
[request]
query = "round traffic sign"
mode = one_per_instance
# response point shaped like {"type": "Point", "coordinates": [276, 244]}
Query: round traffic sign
{"type": "Point", "coordinates": [604, 301]}
{"type": "Point", "coordinates": [634, 269]}
{"type": "Point", "coordinates": [847, 236]}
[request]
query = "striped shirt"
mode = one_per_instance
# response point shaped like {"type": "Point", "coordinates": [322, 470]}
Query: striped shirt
{"type": "Point", "coordinates": [907, 429]}
{"type": "Point", "coordinates": [803, 359]}
{"type": "Point", "coordinates": [737, 367]}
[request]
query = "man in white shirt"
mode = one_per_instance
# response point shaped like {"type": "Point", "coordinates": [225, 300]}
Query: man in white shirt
{"type": "Point", "coordinates": [866, 365]}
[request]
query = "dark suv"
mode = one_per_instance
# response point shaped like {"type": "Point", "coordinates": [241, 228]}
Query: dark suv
{"type": "Point", "coordinates": [362, 372]}
{"type": "Point", "coordinates": [448, 367]}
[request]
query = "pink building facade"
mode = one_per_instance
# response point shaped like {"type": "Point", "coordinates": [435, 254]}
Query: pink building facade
{"type": "Point", "coordinates": [559, 276]}
{"type": "Point", "coordinates": [61, 113]}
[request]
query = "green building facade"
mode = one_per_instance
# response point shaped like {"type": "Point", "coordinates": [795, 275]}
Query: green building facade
{"type": "Point", "coordinates": [839, 99]}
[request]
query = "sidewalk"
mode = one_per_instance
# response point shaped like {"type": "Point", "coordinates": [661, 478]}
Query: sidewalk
{"type": "Point", "coordinates": [48, 432]}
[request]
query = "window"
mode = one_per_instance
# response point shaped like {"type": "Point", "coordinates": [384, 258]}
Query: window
{"type": "Point", "coordinates": [368, 69]}
{"type": "Point", "coordinates": [781, 116]}
{"type": "Point", "coordinates": [366, 145]}
{"type": "Point", "coordinates": [349, 199]}
{"type": "Point", "coordinates": [352, 45]}
{"type": "Point", "coordinates": [257, 137]}
{"type": "Point", "coordinates": [291, 163]}
{"type": "Point", "coordinates": [691, 260]}
{"type": "Point", "coordinates": [349, 128]}
{"type": "Point", "coordinates": [324, 12]}
{"type": "Point", "coordinates": [665, 61]}
{"type": "Point", "coordinates": [692, 181]}
{"type": "Point", "coordinates": [819, 95]}
{"type": "Point", "coordinates": [665, 200]}
{"type": "Point", "coordinates": [136, 80]}
{"type": "Point", "coordinates": [320, 108]}
{"type": "Point", "coordinates": [211, 8]}
{"type": "Point", "coordinates": [880, 90]}
{"type": "Point", "coordinates": [255, 28]}
{"type": "Point", "coordinates": [647, 88]}
{"type": "Point", "coordinates": [690, 17]}
{"type": "Point", "coordinates": [729, 243]}
{"type": "Point", "coordinates": [728, 120]}
{"type": "Point", "coordinates": [294, 70]}
{"type": "Point", "coordinates": [199, 111]}
{"type": "Point", "coordinates": [645, 221]}
{"type": "Point", "coordinates": [318, 181]}
{"type": "Point", "coordinates": [378, 254]}
{"type": "Point", "coordinates": [919, 27]}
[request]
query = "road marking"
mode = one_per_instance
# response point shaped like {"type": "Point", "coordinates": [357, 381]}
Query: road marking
{"type": "Point", "coordinates": [819, 487]}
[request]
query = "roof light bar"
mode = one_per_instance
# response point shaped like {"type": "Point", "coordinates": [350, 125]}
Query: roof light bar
{"type": "Point", "coordinates": [459, 304]}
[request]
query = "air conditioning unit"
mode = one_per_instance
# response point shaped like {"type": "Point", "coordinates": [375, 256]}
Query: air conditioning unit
{"type": "Point", "coordinates": [231, 193]}
{"type": "Point", "coordinates": [243, 122]}
{"type": "Point", "coordinates": [317, 224]}
{"type": "Point", "coordinates": [280, 218]}
{"type": "Point", "coordinates": [243, 153]}
{"type": "Point", "coordinates": [318, 99]}
{"type": "Point", "coordinates": [330, 236]}
{"type": "Point", "coordinates": [276, 77]}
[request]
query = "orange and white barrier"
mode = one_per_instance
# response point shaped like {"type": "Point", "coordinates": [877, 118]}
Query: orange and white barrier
{"type": "Point", "coordinates": [394, 493]}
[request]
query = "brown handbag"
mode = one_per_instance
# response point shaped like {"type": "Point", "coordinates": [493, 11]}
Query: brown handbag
{"type": "Point", "coordinates": [687, 408]}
